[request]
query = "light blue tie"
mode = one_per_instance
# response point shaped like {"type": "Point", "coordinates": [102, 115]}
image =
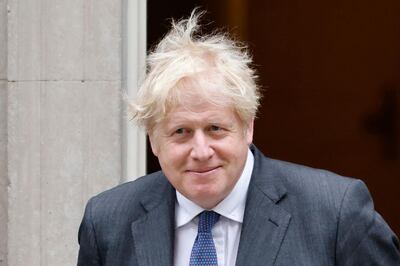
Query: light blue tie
{"type": "Point", "coordinates": [203, 251]}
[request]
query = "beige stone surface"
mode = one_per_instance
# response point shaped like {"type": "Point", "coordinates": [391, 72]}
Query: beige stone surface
{"type": "Point", "coordinates": [102, 50]}
{"type": "Point", "coordinates": [3, 39]}
{"type": "Point", "coordinates": [102, 117]}
{"type": "Point", "coordinates": [62, 170]}
{"type": "Point", "coordinates": [3, 173]}
{"type": "Point", "coordinates": [24, 40]}
{"type": "Point", "coordinates": [24, 174]}
{"type": "Point", "coordinates": [46, 39]}
{"type": "Point", "coordinates": [60, 132]}
{"type": "Point", "coordinates": [65, 146]}
{"type": "Point", "coordinates": [65, 40]}
{"type": "Point", "coordinates": [3, 134]}
{"type": "Point", "coordinates": [80, 157]}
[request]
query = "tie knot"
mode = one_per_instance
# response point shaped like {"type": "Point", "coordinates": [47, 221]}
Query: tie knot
{"type": "Point", "coordinates": [207, 220]}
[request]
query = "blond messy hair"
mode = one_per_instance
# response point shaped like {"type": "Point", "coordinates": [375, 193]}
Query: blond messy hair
{"type": "Point", "coordinates": [182, 55]}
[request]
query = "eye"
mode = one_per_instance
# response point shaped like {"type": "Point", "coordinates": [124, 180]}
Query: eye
{"type": "Point", "coordinates": [215, 128]}
{"type": "Point", "coordinates": [180, 131]}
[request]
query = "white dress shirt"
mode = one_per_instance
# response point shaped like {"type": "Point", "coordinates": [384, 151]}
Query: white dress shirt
{"type": "Point", "coordinates": [226, 232]}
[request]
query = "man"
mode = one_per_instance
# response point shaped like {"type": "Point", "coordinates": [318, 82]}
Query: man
{"type": "Point", "coordinates": [218, 200]}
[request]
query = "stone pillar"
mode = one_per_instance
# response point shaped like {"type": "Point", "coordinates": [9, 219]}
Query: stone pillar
{"type": "Point", "coordinates": [3, 133]}
{"type": "Point", "coordinates": [60, 122]}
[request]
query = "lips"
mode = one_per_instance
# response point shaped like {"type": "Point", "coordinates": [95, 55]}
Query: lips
{"type": "Point", "coordinates": [203, 170]}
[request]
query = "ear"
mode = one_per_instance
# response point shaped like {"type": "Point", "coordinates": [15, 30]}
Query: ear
{"type": "Point", "coordinates": [153, 142]}
{"type": "Point", "coordinates": [249, 132]}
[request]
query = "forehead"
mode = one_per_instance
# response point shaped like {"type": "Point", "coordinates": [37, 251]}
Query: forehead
{"type": "Point", "coordinates": [199, 110]}
{"type": "Point", "coordinates": [197, 93]}
{"type": "Point", "coordinates": [208, 86]}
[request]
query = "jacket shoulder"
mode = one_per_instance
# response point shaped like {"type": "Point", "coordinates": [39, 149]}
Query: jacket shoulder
{"type": "Point", "coordinates": [307, 190]}
{"type": "Point", "coordinates": [300, 176]}
{"type": "Point", "coordinates": [127, 196]}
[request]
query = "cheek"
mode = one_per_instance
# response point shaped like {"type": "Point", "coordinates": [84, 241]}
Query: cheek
{"type": "Point", "coordinates": [172, 159]}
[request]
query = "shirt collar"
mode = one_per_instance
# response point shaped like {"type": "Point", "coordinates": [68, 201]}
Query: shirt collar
{"type": "Point", "coordinates": [231, 207]}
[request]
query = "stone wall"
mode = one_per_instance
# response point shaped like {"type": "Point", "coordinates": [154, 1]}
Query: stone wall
{"type": "Point", "coordinates": [60, 122]}
{"type": "Point", "coordinates": [3, 133]}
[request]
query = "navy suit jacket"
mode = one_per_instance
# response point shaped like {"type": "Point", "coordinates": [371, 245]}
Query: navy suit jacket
{"type": "Point", "coordinates": [294, 215]}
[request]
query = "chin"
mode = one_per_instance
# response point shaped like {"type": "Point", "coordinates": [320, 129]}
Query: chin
{"type": "Point", "coordinates": [207, 199]}
{"type": "Point", "coordinates": [208, 204]}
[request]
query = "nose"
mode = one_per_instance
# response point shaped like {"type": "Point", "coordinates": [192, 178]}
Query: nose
{"type": "Point", "coordinates": [201, 149]}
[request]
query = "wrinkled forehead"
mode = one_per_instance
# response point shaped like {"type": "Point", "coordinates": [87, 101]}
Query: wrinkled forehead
{"type": "Point", "coordinates": [200, 114]}
{"type": "Point", "coordinates": [193, 92]}
{"type": "Point", "coordinates": [206, 87]}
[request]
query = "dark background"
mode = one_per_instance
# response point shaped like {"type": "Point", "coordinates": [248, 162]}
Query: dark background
{"type": "Point", "coordinates": [330, 74]}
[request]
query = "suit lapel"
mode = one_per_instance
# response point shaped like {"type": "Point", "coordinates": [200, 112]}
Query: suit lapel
{"type": "Point", "coordinates": [263, 230]}
{"type": "Point", "coordinates": [153, 233]}
{"type": "Point", "coordinates": [265, 222]}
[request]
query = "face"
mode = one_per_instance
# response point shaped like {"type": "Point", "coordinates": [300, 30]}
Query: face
{"type": "Point", "coordinates": [202, 149]}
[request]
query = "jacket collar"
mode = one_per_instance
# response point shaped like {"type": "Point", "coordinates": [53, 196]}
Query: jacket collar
{"type": "Point", "coordinates": [153, 233]}
{"type": "Point", "coordinates": [265, 222]}
{"type": "Point", "coordinates": [263, 230]}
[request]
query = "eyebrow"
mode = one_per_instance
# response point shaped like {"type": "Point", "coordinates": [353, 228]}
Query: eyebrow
{"type": "Point", "coordinates": [171, 125]}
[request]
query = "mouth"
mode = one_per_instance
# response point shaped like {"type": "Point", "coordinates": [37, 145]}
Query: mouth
{"type": "Point", "coordinates": [205, 170]}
